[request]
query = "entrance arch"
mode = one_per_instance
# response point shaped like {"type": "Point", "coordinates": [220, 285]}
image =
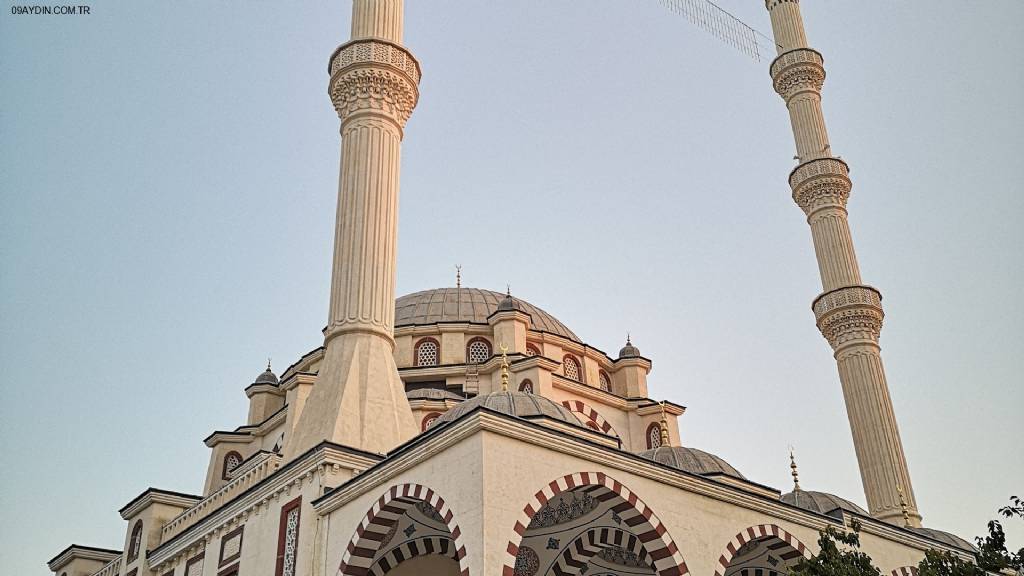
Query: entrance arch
{"type": "Point", "coordinates": [379, 546]}
{"type": "Point", "coordinates": [764, 547]}
{"type": "Point", "coordinates": [593, 494]}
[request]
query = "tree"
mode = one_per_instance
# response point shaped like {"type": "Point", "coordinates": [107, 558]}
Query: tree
{"type": "Point", "coordinates": [991, 556]}
{"type": "Point", "coordinates": [833, 561]}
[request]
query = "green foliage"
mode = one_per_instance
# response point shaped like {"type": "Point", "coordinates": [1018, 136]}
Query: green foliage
{"type": "Point", "coordinates": [992, 553]}
{"type": "Point", "coordinates": [836, 561]}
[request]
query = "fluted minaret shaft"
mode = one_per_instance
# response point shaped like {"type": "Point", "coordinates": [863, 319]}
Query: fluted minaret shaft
{"type": "Point", "coordinates": [849, 313]}
{"type": "Point", "coordinates": [358, 399]}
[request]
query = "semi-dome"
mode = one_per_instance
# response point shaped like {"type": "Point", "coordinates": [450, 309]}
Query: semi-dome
{"type": "Point", "coordinates": [820, 502]}
{"type": "Point", "coordinates": [945, 537]}
{"type": "Point", "coordinates": [691, 460]}
{"type": "Point", "coordinates": [519, 404]}
{"type": "Point", "coordinates": [432, 394]}
{"type": "Point", "coordinates": [473, 305]}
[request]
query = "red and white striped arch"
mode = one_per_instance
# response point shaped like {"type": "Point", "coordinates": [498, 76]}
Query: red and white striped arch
{"type": "Point", "coordinates": [637, 516]}
{"type": "Point", "coordinates": [905, 571]}
{"type": "Point", "coordinates": [388, 509]}
{"type": "Point", "coordinates": [430, 545]}
{"type": "Point", "coordinates": [572, 560]}
{"type": "Point", "coordinates": [589, 414]}
{"type": "Point", "coordinates": [762, 532]}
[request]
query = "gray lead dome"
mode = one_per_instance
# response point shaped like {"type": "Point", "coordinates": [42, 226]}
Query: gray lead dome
{"type": "Point", "coordinates": [691, 460]}
{"type": "Point", "coordinates": [519, 404]}
{"type": "Point", "coordinates": [267, 377]}
{"type": "Point", "coordinates": [820, 502]}
{"type": "Point", "coordinates": [472, 305]}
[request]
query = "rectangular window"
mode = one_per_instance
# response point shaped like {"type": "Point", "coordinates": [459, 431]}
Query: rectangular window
{"type": "Point", "coordinates": [194, 567]}
{"type": "Point", "coordinates": [230, 547]}
{"type": "Point", "coordinates": [288, 538]}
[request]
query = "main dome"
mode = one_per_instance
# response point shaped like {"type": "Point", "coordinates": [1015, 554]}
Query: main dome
{"type": "Point", "coordinates": [473, 305]}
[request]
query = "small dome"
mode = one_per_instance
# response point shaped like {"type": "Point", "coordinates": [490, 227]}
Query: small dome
{"type": "Point", "coordinates": [432, 394]}
{"type": "Point", "coordinates": [945, 537]}
{"type": "Point", "coordinates": [820, 502]}
{"type": "Point", "coordinates": [518, 404]}
{"type": "Point", "coordinates": [267, 377]}
{"type": "Point", "coordinates": [629, 351]}
{"type": "Point", "coordinates": [508, 304]}
{"type": "Point", "coordinates": [691, 460]}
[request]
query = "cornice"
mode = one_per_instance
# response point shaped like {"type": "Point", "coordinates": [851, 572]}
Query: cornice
{"type": "Point", "coordinates": [307, 358]}
{"type": "Point", "coordinates": [224, 436]}
{"type": "Point", "coordinates": [297, 378]}
{"type": "Point", "coordinates": [85, 552]}
{"type": "Point", "coordinates": [670, 408]}
{"type": "Point", "coordinates": [157, 496]}
{"type": "Point", "coordinates": [591, 393]}
{"type": "Point", "coordinates": [254, 389]}
{"type": "Point", "coordinates": [528, 362]}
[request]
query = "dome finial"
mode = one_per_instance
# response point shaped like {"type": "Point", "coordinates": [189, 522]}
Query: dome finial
{"type": "Point", "coordinates": [903, 506]}
{"type": "Point", "coordinates": [508, 290]}
{"type": "Point", "coordinates": [458, 275]}
{"type": "Point", "coordinates": [792, 468]}
{"type": "Point", "coordinates": [664, 425]}
{"type": "Point", "coordinates": [629, 342]}
{"type": "Point", "coordinates": [268, 364]}
{"type": "Point", "coordinates": [504, 367]}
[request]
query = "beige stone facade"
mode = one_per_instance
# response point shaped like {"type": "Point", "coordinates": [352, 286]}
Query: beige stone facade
{"type": "Point", "coordinates": [466, 431]}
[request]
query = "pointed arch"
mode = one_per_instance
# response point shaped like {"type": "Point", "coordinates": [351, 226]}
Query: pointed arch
{"type": "Point", "coordinates": [589, 414]}
{"type": "Point", "coordinates": [762, 532]}
{"type": "Point", "coordinates": [578, 553]}
{"type": "Point", "coordinates": [408, 550]}
{"type": "Point", "coordinates": [905, 571]}
{"type": "Point", "coordinates": [634, 513]}
{"type": "Point", "coordinates": [357, 560]}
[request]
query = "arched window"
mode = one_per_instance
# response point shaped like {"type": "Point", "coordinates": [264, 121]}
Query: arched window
{"type": "Point", "coordinates": [654, 436]}
{"type": "Point", "coordinates": [231, 461]}
{"type": "Point", "coordinates": [428, 352]}
{"type": "Point", "coordinates": [571, 368]}
{"type": "Point", "coordinates": [532, 350]}
{"type": "Point", "coordinates": [526, 386]}
{"type": "Point", "coordinates": [606, 382]}
{"type": "Point", "coordinates": [428, 420]}
{"type": "Point", "coordinates": [135, 542]}
{"type": "Point", "coordinates": [478, 351]}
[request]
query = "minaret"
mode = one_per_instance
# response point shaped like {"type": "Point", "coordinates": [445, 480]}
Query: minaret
{"type": "Point", "coordinates": [849, 313]}
{"type": "Point", "coordinates": [358, 399]}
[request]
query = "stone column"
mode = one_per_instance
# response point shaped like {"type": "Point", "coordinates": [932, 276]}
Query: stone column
{"type": "Point", "coordinates": [358, 399]}
{"type": "Point", "coordinates": [849, 313]}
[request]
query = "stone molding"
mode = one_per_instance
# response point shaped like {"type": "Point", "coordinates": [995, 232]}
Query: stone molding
{"type": "Point", "coordinates": [798, 71]}
{"type": "Point", "coordinates": [849, 314]}
{"type": "Point", "coordinates": [85, 552]}
{"type": "Point", "coordinates": [156, 496]}
{"type": "Point", "coordinates": [374, 76]}
{"type": "Point", "coordinates": [821, 183]}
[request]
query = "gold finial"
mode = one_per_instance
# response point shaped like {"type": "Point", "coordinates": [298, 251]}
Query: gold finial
{"type": "Point", "coordinates": [903, 507]}
{"type": "Point", "coordinates": [792, 467]}
{"type": "Point", "coordinates": [504, 367]}
{"type": "Point", "coordinates": [458, 275]}
{"type": "Point", "coordinates": [664, 421]}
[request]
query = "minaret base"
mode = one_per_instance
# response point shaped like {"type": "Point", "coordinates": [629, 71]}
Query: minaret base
{"type": "Point", "coordinates": [358, 399]}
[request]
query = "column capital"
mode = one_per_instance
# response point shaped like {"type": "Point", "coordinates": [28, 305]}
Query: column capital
{"type": "Point", "coordinates": [849, 315]}
{"type": "Point", "coordinates": [374, 76]}
{"type": "Point", "coordinates": [798, 71]}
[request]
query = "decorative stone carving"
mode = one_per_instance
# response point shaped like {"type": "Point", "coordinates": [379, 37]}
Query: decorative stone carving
{"type": "Point", "coordinates": [560, 511]}
{"type": "Point", "coordinates": [374, 76]}
{"type": "Point", "coordinates": [798, 71]}
{"type": "Point", "coordinates": [622, 557]}
{"type": "Point", "coordinates": [852, 313]}
{"type": "Point", "coordinates": [820, 183]}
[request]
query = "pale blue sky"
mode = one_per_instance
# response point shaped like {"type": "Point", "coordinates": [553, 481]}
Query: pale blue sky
{"type": "Point", "coordinates": [169, 174]}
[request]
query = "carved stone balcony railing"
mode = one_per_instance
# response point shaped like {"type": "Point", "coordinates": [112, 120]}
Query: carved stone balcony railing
{"type": "Point", "coordinates": [112, 568]}
{"type": "Point", "coordinates": [248, 476]}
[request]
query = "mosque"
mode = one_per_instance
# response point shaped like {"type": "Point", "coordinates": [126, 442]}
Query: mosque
{"type": "Point", "coordinates": [465, 431]}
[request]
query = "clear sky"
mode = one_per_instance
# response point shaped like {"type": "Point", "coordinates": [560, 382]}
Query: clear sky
{"type": "Point", "coordinates": [169, 172]}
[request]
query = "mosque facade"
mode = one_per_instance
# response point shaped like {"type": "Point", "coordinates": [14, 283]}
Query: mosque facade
{"type": "Point", "coordinates": [464, 431]}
